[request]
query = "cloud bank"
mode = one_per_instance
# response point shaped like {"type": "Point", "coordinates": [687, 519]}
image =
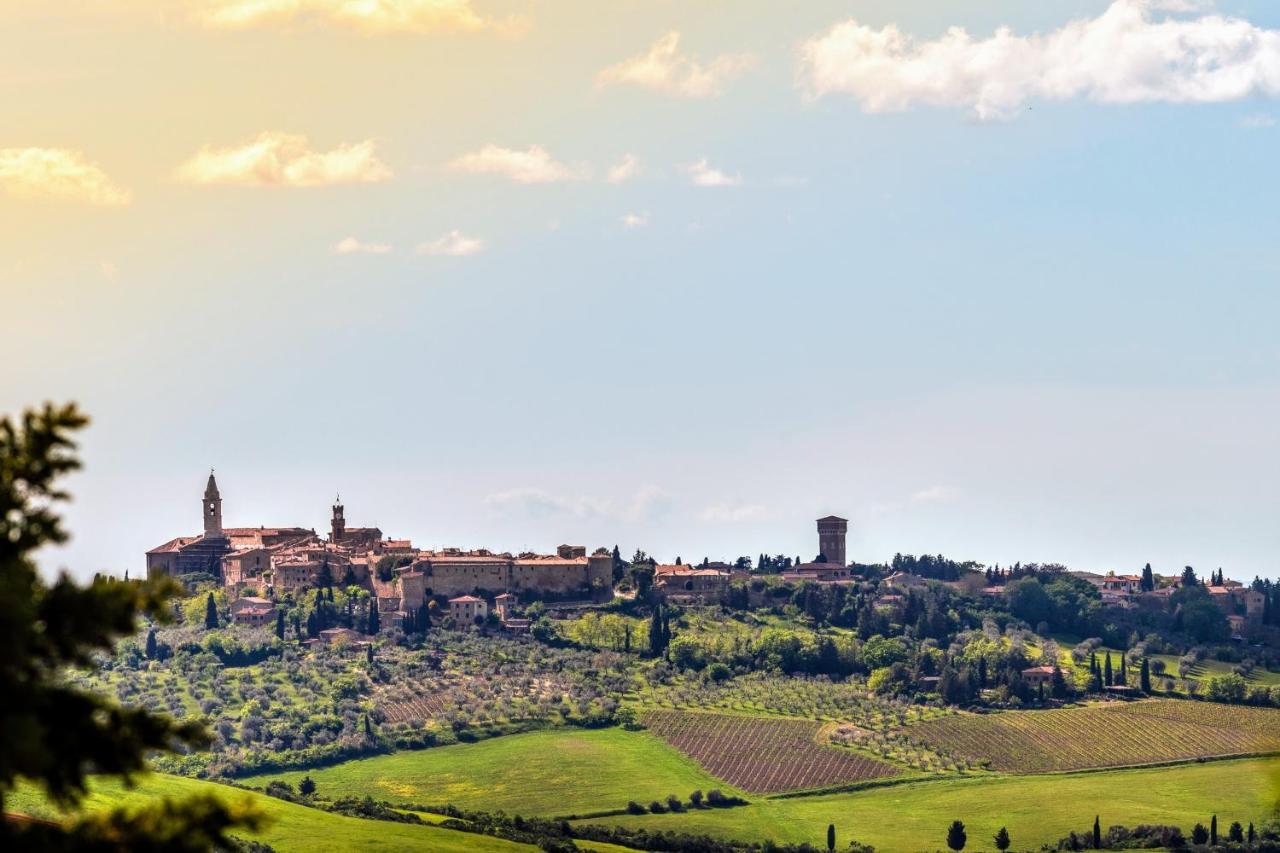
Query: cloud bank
{"type": "Point", "coordinates": [284, 160]}
{"type": "Point", "coordinates": [703, 174]}
{"type": "Point", "coordinates": [369, 17]}
{"type": "Point", "coordinates": [454, 244]}
{"type": "Point", "coordinates": [664, 69]}
{"type": "Point", "coordinates": [1128, 54]}
{"type": "Point", "coordinates": [59, 174]}
{"type": "Point", "coordinates": [647, 503]}
{"type": "Point", "coordinates": [353, 246]}
{"type": "Point", "coordinates": [534, 165]}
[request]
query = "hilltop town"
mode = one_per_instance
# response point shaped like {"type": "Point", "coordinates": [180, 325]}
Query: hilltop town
{"type": "Point", "coordinates": [258, 565]}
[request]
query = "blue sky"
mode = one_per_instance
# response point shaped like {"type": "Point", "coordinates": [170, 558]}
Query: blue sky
{"type": "Point", "coordinates": [1047, 334]}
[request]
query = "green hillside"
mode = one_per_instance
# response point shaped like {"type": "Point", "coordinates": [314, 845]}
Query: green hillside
{"type": "Point", "coordinates": [292, 827]}
{"type": "Point", "coordinates": [555, 772]}
{"type": "Point", "coordinates": [1036, 809]}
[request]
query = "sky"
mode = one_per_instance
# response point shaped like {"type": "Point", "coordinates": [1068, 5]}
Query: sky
{"type": "Point", "coordinates": [997, 280]}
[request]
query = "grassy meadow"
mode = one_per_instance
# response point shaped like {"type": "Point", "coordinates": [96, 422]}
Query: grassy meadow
{"type": "Point", "coordinates": [1036, 809]}
{"type": "Point", "coordinates": [543, 773]}
{"type": "Point", "coordinates": [292, 827]}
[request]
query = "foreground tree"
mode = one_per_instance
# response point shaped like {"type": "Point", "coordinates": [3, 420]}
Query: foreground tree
{"type": "Point", "coordinates": [956, 836]}
{"type": "Point", "coordinates": [52, 733]}
{"type": "Point", "coordinates": [831, 836]}
{"type": "Point", "coordinates": [1002, 839]}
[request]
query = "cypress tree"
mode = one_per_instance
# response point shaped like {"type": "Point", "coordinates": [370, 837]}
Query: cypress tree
{"type": "Point", "coordinates": [375, 623]}
{"type": "Point", "coordinates": [1107, 675]}
{"type": "Point", "coordinates": [1145, 676]}
{"type": "Point", "coordinates": [1213, 830]}
{"type": "Point", "coordinates": [1002, 839]}
{"type": "Point", "coordinates": [151, 644]}
{"type": "Point", "coordinates": [655, 632]}
{"type": "Point", "coordinates": [831, 837]}
{"type": "Point", "coordinates": [956, 836]}
{"type": "Point", "coordinates": [210, 612]}
{"type": "Point", "coordinates": [280, 624]}
{"type": "Point", "coordinates": [1097, 827]}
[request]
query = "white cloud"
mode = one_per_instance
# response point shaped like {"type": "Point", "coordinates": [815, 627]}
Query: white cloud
{"type": "Point", "coordinates": [626, 169]}
{"type": "Point", "coordinates": [1125, 55]}
{"type": "Point", "coordinates": [284, 160]}
{"type": "Point", "coordinates": [369, 17]}
{"type": "Point", "coordinates": [57, 173]}
{"type": "Point", "coordinates": [703, 174]}
{"type": "Point", "coordinates": [454, 244]}
{"type": "Point", "coordinates": [534, 165]}
{"type": "Point", "coordinates": [736, 514]}
{"type": "Point", "coordinates": [634, 220]}
{"type": "Point", "coordinates": [933, 494]}
{"type": "Point", "coordinates": [664, 69]}
{"type": "Point", "coordinates": [647, 503]}
{"type": "Point", "coordinates": [352, 246]}
{"type": "Point", "coordinates": [1258, 121]}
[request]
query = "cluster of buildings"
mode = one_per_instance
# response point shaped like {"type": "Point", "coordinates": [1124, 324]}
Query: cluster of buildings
{"type": "Point", "coordinates": [698, 584]}
{"type": "Point", "coordinates": [1241, 604]}
{"type": "Point", "coordinates": [274, 561]}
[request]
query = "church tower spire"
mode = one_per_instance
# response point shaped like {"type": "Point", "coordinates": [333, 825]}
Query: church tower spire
{"type": "Point", "coordinates": [212, 509]}
{"type": "Point", "coordinates": [339, 524]}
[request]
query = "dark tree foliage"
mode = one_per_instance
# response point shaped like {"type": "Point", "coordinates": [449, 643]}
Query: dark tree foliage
{"type": "Point", "coordinates": [210, 613]}
{"type": "Point", "coordinates": [956, 836]}
{"type": "Point", "coordinates": [50, 732]}
{"type": "Point", "coordinates": [1001, 839]}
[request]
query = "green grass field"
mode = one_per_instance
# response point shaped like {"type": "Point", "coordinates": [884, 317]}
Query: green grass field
{"type": "Point", "coordinates": [555, 772]}
{"type": "Point", "coordinates": [1207, 668]}
{"type": "Point", "coordinates": [548, 773]}
{"type": "Point", "coordinates": [292, 827]}
{"type": "Point", "coordinates": [1036, 809]}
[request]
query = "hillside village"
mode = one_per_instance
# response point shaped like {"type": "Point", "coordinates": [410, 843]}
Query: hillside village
{"type": "Point", "coordinates": [259, 565]}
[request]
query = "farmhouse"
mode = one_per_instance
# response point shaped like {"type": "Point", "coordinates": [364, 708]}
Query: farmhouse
{"type": "Point", "coordinates": [466, 609]}
{"type": "Point", "coordinates": [253, 612]}
{"type": "Point", "coordinates": [1035, 676]}
{"type": "Point", "coordinates": [689, 584]}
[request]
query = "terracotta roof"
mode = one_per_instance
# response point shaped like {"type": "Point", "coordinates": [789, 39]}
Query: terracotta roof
{"type": "Point", "coordinates": [1048, 670]}
{"type": "Point", "coordinates": [174, 544]}
{"type": "Point", "coordinates": [466, 599]}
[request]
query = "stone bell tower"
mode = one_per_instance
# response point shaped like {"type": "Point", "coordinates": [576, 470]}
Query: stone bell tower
{"type": "Point", "coordinates": [212, 509]}
{"type": "Point", "coordinates": [338, 526]}
{"type": "Point", "coordinates": [831, 533]}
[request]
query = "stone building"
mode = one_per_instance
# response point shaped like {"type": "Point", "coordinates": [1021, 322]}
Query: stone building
{"type": "Point", "coordinates": [689, 584]}
{"type": "Point", "coordinates": [831, 537]}
{"type": "Point", "coordinates": [253, 612]}
{"type": "Point", "coordinates": [466, 609]}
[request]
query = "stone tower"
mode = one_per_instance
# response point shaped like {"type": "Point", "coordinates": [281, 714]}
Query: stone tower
{"type": "Point", "coordinates": [831, 531]}
{"type": "Point", "coordinates": [339, 524]}
{"type": "Point", "coordinates": [212, 509]}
